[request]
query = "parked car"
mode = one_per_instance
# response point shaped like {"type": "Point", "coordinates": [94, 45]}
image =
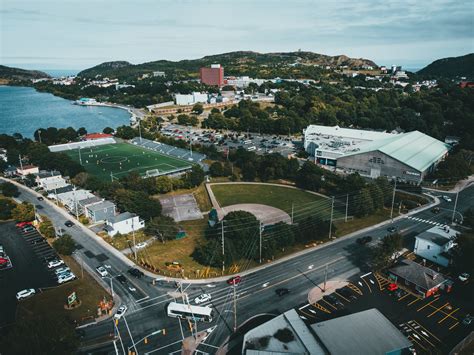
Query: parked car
{"type": "Point", "coordinates": [447, 198]}
{"type": "Point", "coordinates": [62, 270]}
{"type": "Point", "coordinates": [468, 319]}
{"type": "Point", "coordinates": [28, 229]}
{"type": "Point", "coordinates": [334, 301]}
{"type": "Point", "coordinates": [102, 272]}
{"type": "Point", "coordinates": [68, 223]}
{"type": "Point", "coordinates": [55, 263]}
{"type": "Point", "coordinates": [141, 245]}
{"type": "Point", "coordinates": [25, 293]}
{"type": "Point", "coordinates": [120, 312]}
{"type": "Point", "coordinates": [392, 287]}
{"type": "Point", "coordinates": [66, 277]}
{"type": "Point", "coordinates": [364, 240]}
{"type": "Point", "coordinates": [464, 277]}
{"type": "Point", "coordinates": [121, 279]}
{"type": "Point", "coordinates": [23, 224]}
{"type": "Point", "coordinates": [234, 280]}
{"type": "Point", "coordinates": [435, 210]}
{"type": "Point", "coordinates": [282, 291]}
{"type": "Point", "coordinates": [40, 198]}
{"type": "Point", "coordinates": [135, 272]}
{"type": "Point", "coordinates": [205, 297]}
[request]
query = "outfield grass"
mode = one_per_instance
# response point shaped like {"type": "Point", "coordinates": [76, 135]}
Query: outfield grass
{"type": "Point", "coordinates": [122, 158]}
{"type": "Point", "coordinates": [284, 198]}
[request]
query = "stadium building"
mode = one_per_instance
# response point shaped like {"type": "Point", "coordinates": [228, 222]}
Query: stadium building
{"type": "Point", "coordinates": [405, 156]}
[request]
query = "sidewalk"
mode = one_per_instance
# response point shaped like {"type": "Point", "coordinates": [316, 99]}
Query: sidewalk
{"type": "Point", "coordinates": [460, 185]}
{"type": "Point", "coordinates": [318, 292]}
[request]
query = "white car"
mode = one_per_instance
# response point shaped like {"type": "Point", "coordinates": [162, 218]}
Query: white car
{"type": "Point", "coordinates": [102, 272]}
{"type": "Point", "coordinates": [55, 263]}
{"type": "Point", "coordinates": [120, 312]}
{"type": "Point", "coordinates": [62, 270]}
{"type": "Point", "coordinates": [66, 277]}
{"type": "Point", "coordinates": [447, 198]}
{"type": "Point", "coordinates": [205, 297]}
{"type": "Point", "coordinates": [25, 293]}
{"type": "Point", "coordinates": [141, 245]}
{"type": "Point", "coordinates": [464, 277]}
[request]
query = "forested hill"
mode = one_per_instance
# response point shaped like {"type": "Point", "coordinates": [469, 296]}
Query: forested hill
{"type": "Point", "coordinates": [261, 65]}
{"type": "Point", "coordinates": [9, 73]}
{"type": "Point", "coordinates": [453, 67]}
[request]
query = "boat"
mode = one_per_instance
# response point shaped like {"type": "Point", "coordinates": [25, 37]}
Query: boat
{"type": "Point", "coordinates": [85, 101]}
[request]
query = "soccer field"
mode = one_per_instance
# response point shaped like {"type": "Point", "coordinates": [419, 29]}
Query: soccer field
{"type": "Point", "coordinates": [120, 159]}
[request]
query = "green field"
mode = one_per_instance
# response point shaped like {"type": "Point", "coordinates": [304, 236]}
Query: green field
{"type": "Point", "coordinates": [304, 203]}
{"type": "Point", "coordinates": [121, 159]}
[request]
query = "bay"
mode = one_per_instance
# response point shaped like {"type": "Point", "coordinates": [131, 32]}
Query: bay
{"type": "Point", "coordinates": [23, 110]}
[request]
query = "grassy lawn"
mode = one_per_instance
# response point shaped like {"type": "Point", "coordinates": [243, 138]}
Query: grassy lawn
{"type": "Point", "coordinates": [284, 198]}
{"type": "Point", "coordinates": [158, 254]}
{"type": "Point", "coordinates": [343, 228]}
{"type": "Point", "coordinates": [53, 300]}
{"type": "Point", "coordinates": [123, 158]}
{"type": "Point", "coordinates": [121, 242]}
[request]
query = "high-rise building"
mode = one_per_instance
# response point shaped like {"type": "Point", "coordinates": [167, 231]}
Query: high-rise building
{"type": "Point", "coordinates": [212, 76]}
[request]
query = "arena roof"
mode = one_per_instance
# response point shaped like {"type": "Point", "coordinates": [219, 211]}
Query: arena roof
{"type": "Point", "coordinates": [350, 133]}
{"type": "Point", "coordinates": [414, 149]}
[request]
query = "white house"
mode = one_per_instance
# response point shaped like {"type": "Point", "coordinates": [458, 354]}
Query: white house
{"type": "Point", "coordinates": [27, 169]}
{"type": "Point", "coordinates": [71, 199]}
{"type": "Point", "coordinates": [50, 180]}
{"type": "Point", "coordinates": [435, 243]}
{"type": "Point", "coordinates": [123, 223]}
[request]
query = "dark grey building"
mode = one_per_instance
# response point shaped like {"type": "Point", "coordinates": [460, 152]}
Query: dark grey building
{"type": "Point", "coordinates": [100, 211]}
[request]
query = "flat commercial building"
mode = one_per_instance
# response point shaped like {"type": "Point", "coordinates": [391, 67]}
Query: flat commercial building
{"type": "Point", "coordinates": [213, 76]}
{"type": "Point", "coordinates": [405, 156]}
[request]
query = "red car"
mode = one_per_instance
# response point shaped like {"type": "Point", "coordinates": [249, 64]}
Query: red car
{"type": "Point", "coordinates": [234, 280]}
{"type": "Point", "coordinates": [23, 224]}
{"type": "Point", "coordinates": [392, 287]}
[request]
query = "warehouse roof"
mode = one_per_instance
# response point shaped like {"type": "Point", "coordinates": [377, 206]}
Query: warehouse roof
{"type": "Point", "coordinates": [351, 133]}
{"type": "Point", "coordinates": [414, 149]}
{"type": "Point", "coordinates": [367, 332]}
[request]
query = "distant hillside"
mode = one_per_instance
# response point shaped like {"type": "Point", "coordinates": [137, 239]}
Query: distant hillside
{"type": "Point", "coordinates": [451, 67]}
{"type": "Point", "coordinates": [262, 65]}
{"type": "Point", "coordinates": [8, 74]}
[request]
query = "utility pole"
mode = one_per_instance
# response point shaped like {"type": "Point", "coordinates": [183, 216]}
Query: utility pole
{"type": "Point", "coordinates": [39, 135]}
{"type": "Point", "coordinates": [134, 245]}
{"type": "Point", "coordinates": [80, 156]}
{"type": "Point", "coordinates": [140, 129]}
{"type": "Point", "coordinates": [292, 211]}
{"type": "Point", "coordinates": [75, 202]}
{"type": "Point", "coordinates": [111, 177]}
{"type": "Point", "coordinates": [393, 199]}
{"type": "Point", "coordinates": [330, 223]}
{"type": "Point", "coordinates": [223, 249]}
{"type": "Point", "coordinates": [455, 205]}
{"type": "Point", "coordinates": [21, 167]}
{"type": "Point", "coordinates": [347, 205]}
{"type": "Point", "coordinates": [260, 233]}
{"type": "Point", "coordinates": [235, 309]}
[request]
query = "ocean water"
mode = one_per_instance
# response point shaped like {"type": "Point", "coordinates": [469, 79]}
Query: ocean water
{"type": "Point", "coordinates": [56, 73]}
{"type": "Point", "coordinates": [23, 110]}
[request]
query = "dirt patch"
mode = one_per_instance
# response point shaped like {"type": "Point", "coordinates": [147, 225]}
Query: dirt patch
{"type": "Point", "coordinates": [266, 214]}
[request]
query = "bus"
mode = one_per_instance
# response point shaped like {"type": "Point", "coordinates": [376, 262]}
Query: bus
{"type": "Point", "coordinates": [184, 311]}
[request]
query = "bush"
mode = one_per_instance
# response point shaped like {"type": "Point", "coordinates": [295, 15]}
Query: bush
{"type": "Point", "coordinates": [65, 245]}
{"type": "Point", "coordinates": [284, 335]}
{"type": "Point", "coordinates": [46, 228]}
{"type": "Point", "coordinates": [24, 212]}
{"type": "Point", "coordinates": [84, 220]}
{"type": "Point", "coordinates": [6, 208]}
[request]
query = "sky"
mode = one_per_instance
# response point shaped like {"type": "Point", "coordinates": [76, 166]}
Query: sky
{"type": "Point", "coordinates": [77, 34]}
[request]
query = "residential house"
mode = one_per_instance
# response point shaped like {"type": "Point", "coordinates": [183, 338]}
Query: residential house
{"type": "Point", "coordinates": [123, 223]}
{"type": "Point", "coordinates": [419, 278]}
{"type": "Point", "coordinates": [27, 170]}
{"type": "Point", "coordinates": [10, 171]}
{"type": "Point", "coordinates": [53, 193]}
{"type": "Point", "coordinates": [71, 199]}
{"type": "Point", "coordinates": [84, 203]}
{"type": "Point", "coordinates": [50, 180]}
{"type": "Point", "coordinates": [101, 211]}
{"type": "Point", "coordinates": [435, 243]}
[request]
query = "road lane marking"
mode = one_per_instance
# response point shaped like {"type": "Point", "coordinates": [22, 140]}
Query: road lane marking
{"type": "Point", "coordinates": [434, 336]}
{"type": "Point", "coordinates": [453, 326]}
{"type": "Point", "coordinates": [307, 314]}
{"type": "Point", "coordinates": [404, 296]}
{"type": "Point", "coordinates": [448, 315]}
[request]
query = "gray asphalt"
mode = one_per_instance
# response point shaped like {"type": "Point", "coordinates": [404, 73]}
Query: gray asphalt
{"type": "Point", "coordinates": [147, 314]}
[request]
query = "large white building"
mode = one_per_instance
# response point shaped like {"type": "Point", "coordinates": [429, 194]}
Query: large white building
{"type": "Point", "coordinates": [404, 156]}
{"type": "Point", "coordinates": [435, 243]}
{"type": "Point", "coordinates": [50, 180]}
{"type": "Point", "coordinates": [123, 223]}
{"type": "Point", "coordinates": [191, 99]}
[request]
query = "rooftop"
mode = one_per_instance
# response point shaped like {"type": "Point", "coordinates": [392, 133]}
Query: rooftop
{"type": "Point", "coordinates": [121, 217]}
{"type": "Point", "coordinates": [418, 275]}
{"type": "Point", "coordinates": [61, 190]}
{"type": "Point", "coordinates": [101, 205]}
{"type": "Point", "coordinates": [89, 200]}
{"type": "Point", "coordinates": [46, 174]}
{"type": "Point", "coordinates": [438, 235]}
{"type": "Point", "coordinates": [367, 332]}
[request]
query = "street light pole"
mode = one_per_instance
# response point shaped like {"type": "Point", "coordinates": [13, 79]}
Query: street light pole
{"type": "Point", "coordinates": [393, 200]}
{"type": "Point", "coordinates": [260, 233]}
{"type": "Point", "coordinates": [223, 249]}
{"type": "Point", "coordinates": [455, 205]}
{"type": "Point", "coordinates": [347, 206]}
{"type": "Point", "coordinates": [330, 223]}
{"type": "Point", "coordinates": [235, 309]}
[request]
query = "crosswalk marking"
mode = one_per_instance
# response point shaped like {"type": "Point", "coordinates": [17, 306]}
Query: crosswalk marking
{"type": "Point", "coordinates": [426, 221]}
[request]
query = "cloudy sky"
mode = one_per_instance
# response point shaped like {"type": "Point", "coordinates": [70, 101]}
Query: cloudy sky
{"type": "Point", "coordinates": [76, 34]}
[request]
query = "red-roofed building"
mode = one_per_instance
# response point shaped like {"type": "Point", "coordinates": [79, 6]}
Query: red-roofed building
{"type": "Point", "coordinates": [92, 136]}
{"type": "Point", "coordinates": [466, 84]}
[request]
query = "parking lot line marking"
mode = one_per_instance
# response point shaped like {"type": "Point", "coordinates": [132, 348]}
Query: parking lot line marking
{"type": "Point", "coordinates": [421, 336]}
{"type": "Point", "coordinates": [367, 285]}
{"type": "Point", "coordinates": [438, 309]}
{"type": "Point", "coordinates": [453, 326]}
{"type": "Point", "coordinates": [448, 315]}
{"type": "Point", "coordinates": [342, 296]}
{"type": "Point", "coordinates": [355, 288]}
{"type": "Point", "coordinates": [321, 308]}
{"type": "Point", "coordinates": [406, 295]}
{"type": "Point", "coordinates": [329, 304]}
{"type": "Point", "coordinates": [413, 340]}
{"type": "Point", "coordinates": [307, 314]}
{"type": "Point", "coordinates": [415, 300]}
{"type": "Point", "coordinates": [430, 333]}
{"type": "Point", "coordinates": [426, 305]}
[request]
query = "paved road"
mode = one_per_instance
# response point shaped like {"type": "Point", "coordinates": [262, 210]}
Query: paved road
{"type": "Point", "coordinates": [256, 293]}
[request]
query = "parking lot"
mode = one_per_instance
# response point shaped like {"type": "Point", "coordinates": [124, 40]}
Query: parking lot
{"type": "Point", "coordinates": [433, 325]}
{"type": "Point", "coordinates": [27, 252]}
